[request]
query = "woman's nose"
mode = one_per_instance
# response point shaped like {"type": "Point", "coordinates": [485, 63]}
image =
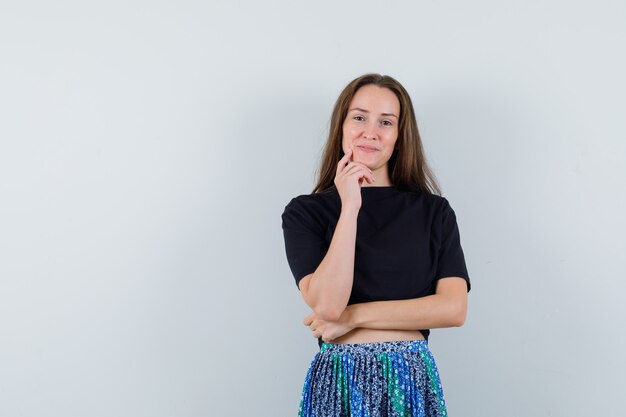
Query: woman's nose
{"type": "Point", "coordinates": [371, 131]}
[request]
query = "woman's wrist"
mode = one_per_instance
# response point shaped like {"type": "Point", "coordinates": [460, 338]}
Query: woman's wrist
{"type": "Point", "coordinates": [350, 211]}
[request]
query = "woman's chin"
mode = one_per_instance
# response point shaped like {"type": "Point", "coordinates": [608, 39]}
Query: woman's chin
{"type": "Point", "coordinates": [363, 161]}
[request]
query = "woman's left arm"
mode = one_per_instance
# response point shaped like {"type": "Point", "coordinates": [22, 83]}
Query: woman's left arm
{"type": "Point", "coordinates": [446, 308]}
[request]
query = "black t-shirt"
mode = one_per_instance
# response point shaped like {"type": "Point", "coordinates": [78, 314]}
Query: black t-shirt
{"type": "Point", "coordinates": [405, 241]}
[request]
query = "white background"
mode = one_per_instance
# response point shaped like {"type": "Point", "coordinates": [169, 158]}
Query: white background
{"type": "Point", "coordinates": [148, 150]}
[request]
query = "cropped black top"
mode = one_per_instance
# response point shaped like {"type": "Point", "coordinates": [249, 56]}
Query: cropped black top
{"type": "Point", "coordinates": [405, 241]}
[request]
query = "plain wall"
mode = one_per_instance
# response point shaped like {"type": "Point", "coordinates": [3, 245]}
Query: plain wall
{"type": "Point", "coordinates": [148, 149]}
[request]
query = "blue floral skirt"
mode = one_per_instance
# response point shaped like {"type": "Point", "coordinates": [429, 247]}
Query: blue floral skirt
{"type": "Point", "coordinates": [376, 379]}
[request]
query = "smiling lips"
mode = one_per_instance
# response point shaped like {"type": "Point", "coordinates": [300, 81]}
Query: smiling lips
{"type": "Point", "coordinates": [366, 149]}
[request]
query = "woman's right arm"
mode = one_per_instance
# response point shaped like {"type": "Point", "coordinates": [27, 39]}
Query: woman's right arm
{"type": "Point", "coordinates": [327, 290]}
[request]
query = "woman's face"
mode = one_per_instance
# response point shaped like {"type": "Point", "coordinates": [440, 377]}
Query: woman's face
{"type": "Point", "coordinates": [371, 126]}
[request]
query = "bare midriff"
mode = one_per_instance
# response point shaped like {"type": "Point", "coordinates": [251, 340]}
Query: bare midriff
{"type": "Point", "coordinates": [362, 335]}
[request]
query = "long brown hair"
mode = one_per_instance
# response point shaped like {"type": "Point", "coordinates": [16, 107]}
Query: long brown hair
{"type": "Point", "coordinates": [408, 169]}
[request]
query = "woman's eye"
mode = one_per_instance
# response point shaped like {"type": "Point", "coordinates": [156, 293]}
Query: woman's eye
{"type": "Point", "coordinates": [386, 123]}
{"type": "Point", "coordinates": [359, 118]}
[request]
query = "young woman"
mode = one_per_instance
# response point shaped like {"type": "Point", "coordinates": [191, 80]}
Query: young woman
{"type": "Point", "coordinates": [376, 254]}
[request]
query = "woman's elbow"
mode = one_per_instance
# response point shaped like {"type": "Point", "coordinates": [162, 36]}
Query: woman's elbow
{"type": "Point", "coordinates": [458, 315]}
{"type": "Point", "coordinates": [458, 321]}
{"type": "Point", "coordinates": [321, 307]}
{"type": "Point", "coordinates": [328, 313]}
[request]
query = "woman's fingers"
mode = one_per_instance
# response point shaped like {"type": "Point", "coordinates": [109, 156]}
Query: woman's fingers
{"type": "Point", "coordinates": [344, 161]}
{"type": "Point", "coordinates": [356, 165]}
{"type": "Point", "coordinates": [359, 171]}
{"type": "Point", "coordinates": [353, 164]}
{"type": "Point", "coordinates": [349, 178]}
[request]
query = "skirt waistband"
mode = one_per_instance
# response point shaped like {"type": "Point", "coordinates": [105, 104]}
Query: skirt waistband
{"type": "Point", "coordinates": [376, 347]}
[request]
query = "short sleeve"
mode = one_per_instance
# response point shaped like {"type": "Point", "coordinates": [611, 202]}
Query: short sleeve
{"type": "Point", "coordinates": [451, 261]}
{"type": "Point", "coordinates": [305, 244]}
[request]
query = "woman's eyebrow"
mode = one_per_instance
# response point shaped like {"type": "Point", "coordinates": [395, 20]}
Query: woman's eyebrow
{"type": "Point", "coordinates": [367, 111]}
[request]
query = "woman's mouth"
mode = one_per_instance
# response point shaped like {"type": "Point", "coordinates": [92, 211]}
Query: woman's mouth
{"type": "Point", "coordinates": [366, 149]}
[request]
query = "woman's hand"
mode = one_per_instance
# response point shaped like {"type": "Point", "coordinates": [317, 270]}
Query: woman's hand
{"type": "Point", "coordinates": [348, 179]}
{"type": "Point", "coordinates": [329, 330]}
